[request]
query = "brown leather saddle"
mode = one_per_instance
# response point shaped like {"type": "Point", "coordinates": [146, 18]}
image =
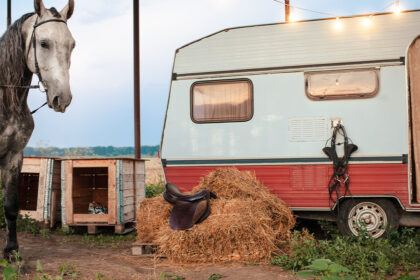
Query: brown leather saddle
{"type": "Point", "coordinates": [188, 209]}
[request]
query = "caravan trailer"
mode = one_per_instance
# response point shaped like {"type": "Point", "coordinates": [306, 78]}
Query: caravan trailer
{"type": "Point", "coordinates": [268, 98]}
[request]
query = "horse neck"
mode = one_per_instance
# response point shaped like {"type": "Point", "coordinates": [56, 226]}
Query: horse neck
{"type": "Point", "coordinates": [13, 70]}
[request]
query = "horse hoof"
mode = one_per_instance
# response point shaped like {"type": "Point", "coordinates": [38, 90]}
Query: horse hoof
{"type": "Point", "coordinates": [11, 256]}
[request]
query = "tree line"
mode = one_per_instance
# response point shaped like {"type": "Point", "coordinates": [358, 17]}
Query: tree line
{"type": "Point", "coordinates": [98, 151]}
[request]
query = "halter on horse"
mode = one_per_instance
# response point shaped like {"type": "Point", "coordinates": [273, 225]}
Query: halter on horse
{"type": "Point", "coordinates": [30, 46]}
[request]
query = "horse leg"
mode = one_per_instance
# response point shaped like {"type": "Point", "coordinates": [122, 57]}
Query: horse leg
{"type": "Point", "coordinates": [10, 177]}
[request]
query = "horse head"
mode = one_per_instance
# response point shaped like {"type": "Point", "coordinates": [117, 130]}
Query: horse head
{"type": "Point", "coordinates": [49, 45]}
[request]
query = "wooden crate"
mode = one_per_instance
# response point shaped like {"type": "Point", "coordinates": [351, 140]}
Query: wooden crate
{"type": "Point", "coordinates": [116, 183]}
{"type": "Point", "coordinates": [39, 189]}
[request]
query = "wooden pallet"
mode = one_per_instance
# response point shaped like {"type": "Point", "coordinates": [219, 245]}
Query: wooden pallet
{"type": "Point", "coordinates": [144, 250]}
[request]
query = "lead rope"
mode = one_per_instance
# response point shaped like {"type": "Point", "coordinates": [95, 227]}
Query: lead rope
{"type": "Point", "coordinates": [340, 165]}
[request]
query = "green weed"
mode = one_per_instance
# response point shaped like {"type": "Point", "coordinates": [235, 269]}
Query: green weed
{"type": "Point", "coordinates": [325, 269]}
{"type": "Point", "coordinates": [215, 276]}
{"type": "Point", "coordinates": [365, 257]}
{"type": "Point", "coordinates": [153, 190]}
{"type": "Point", "coordinates": [166, 276]}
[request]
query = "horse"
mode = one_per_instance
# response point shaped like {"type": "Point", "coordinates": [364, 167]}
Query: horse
{"type": "Point", "coordinates": [38, 43]}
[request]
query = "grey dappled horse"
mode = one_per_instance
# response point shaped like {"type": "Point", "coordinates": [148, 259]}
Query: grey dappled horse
{"type": "Point", "coordinates": [37, 43]}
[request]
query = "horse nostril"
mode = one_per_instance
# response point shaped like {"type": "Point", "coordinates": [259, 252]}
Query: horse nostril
{"type": "Point", "coordinates": [55, 101]}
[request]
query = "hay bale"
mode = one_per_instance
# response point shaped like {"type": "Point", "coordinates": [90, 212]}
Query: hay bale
{"type": "Point", "coordinates": [247, 223]}
{"type": "Point", "coordinates": [237, 230]}
{"type": "Point", "coordinates": [230, 183]}
{"type": "Point", "coordinates": [152, 214]}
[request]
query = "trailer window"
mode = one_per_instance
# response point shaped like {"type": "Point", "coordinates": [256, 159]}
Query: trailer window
{"type": "Point", "coordinates": [221, 101]}
{"type": "Point", "coordinates": [342, 84]}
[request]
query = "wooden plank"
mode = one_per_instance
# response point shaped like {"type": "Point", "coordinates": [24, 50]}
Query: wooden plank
{"type": "Point", "coordinates": [68, 169]}
{"type": "Point", "coordinates": [127, 186]}
{"type": "Point", "coordinates": [128, 192]}
{"type": "Point", "coordinates": [129, 200]}
{"type": "Point", "coordinates": [32, 161]}
{"type": "Point", "coordinates": [112, 194]}
{"type": "Point", "coordinates": [30, 168]}
{"type": "Point", "coordinates": [127, 166]}
{"type": "Point", "coordinates": [53, 213]}
{"type": "Point", "coordinates": [128, 209]}
{"type": "Point", "coordinates": [93, 163]}
{"type": "Point", "coordinates": [140, 168]}
{"type": "Point", "coordinates": [90, 218]}
{"type": "Point", "coordinates": [41, 189]}
{"type": "Point", "coordinates": [119, 229]}
{"type": "Point", "coordinates": [91, 229]}
{"type": "Point", "coordinates": [127, 177]}
{"type": "Point", "coordinates": [144, 250]}
{"type": "Point", "coordinates": [129, 216]}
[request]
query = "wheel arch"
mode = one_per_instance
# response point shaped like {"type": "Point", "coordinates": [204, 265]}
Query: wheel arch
{"type": "Point", "coordinates": [395, 200]}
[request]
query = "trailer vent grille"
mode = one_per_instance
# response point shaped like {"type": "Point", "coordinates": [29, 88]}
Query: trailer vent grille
{"type": "Point", "coordinates": [308, 129]}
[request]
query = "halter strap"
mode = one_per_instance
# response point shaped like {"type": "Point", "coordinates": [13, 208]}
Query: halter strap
{"type": "Point", "coordinates": [33, 41]}
{"type": "Point", "coordinates": [37, 70]}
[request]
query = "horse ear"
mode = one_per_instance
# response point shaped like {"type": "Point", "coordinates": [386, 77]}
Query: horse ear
{"type": "Point", "coordinates": [39, 7]}
{"type": "Point", "coordinates": [67, 11]}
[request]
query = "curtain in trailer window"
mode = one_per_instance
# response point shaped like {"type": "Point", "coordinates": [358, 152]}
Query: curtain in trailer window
{"type": "Point", "coordinates": [222, 101]}
{"type": "Point", "coordinates": [342, 84]}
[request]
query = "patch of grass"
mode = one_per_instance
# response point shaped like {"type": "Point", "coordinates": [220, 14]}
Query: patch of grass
{"type": "Point", "coordinates": [114, 241]}
{"type": "Point", "coordinates": [26, 224]}
{"type": "Point", "coordinates": [153, 190]}
{"type": "Point", "coordinates": [215, 276]}
{"type": "Point", "coordinates": [365, 257]}
{"type": "Point", "coordinates": [166, 276]}
{"type": "Point", "coordinates": [325, 269]}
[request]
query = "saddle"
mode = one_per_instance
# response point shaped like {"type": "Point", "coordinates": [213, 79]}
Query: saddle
{"type": "Point", "coordinates": [188, 209]}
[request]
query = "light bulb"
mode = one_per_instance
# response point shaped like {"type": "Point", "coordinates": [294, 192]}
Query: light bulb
{"type": "Point", "coordinates": [397, 7]}
{"type": "Point", "coordinates": [338, 25]}
{"type": "Point", "coordinates": [367, 21]}
{"type": "Point", "coordinates": [292, 16]}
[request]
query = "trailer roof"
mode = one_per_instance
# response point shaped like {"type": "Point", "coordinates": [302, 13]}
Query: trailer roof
{"type": "Point", "coordinates": [293, 44]}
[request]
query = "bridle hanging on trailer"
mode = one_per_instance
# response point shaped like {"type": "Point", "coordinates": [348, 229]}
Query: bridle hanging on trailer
{"type": "Point", "coordinates": [340, 165]}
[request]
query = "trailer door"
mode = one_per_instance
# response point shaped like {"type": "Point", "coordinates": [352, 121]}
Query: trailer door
{"type": "Point", "coordinates": [413, 66]}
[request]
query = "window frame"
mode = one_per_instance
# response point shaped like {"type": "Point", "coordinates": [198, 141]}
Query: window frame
{"type": "Point", "coordinates": [342, 96]}
{"type": "Point", "coordinates": [227, 81]}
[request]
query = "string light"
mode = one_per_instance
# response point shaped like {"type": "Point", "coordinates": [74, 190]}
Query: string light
{"type": "Point", "coordinates": [338, 24]}
{"type": "Point", "coordinates": [397, 7]}
{"type": "Point", "coordinates": [292, 17]}
{"type": "Point", "coordinates": [367, 21]}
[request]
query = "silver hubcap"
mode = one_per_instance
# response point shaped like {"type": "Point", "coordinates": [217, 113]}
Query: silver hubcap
{"type": "Point", "coordinates": [367, 216]}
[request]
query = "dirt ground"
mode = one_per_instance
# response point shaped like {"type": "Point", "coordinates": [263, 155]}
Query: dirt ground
{"type": "Point", "coordinates": [116, 262]}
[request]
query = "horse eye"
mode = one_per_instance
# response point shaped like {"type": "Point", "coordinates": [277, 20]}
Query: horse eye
{"type": "Point", "coordinates": [44, 44]}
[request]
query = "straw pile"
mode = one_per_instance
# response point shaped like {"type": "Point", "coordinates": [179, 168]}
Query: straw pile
{"type": "Point", "coordinates": [152, 214]}
{"type": "Point", "coordinates": [247, 223]}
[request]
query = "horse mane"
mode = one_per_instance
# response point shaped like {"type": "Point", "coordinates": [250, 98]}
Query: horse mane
{"type": "Point", "coordinates": [13, 69]}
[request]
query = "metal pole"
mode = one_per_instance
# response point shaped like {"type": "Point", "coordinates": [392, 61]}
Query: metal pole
{"type": "Point", "coordinates": [136, 29]}
{"type": "Point", "coordinates": [287, 9]}
{"type": "Point", "coordinates": [9, 12]}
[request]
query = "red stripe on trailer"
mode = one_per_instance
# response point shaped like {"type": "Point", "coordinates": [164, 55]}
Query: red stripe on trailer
{"type": "Point", "coordinates": [306, 185]}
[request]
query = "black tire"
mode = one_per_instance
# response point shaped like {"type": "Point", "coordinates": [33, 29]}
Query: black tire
{"type": "Point", "coordinates": [379, 216]}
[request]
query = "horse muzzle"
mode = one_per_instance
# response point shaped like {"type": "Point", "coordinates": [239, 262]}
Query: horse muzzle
{"type": "Point", "coordinates": [60, 103]}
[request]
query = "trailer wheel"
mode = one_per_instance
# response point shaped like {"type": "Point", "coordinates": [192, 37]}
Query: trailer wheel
{"type": "Point", "coordinates": [376, 216]}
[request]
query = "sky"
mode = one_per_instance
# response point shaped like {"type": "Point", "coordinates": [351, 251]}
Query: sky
{"type": "Point", "coordinates": [101, 73]}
